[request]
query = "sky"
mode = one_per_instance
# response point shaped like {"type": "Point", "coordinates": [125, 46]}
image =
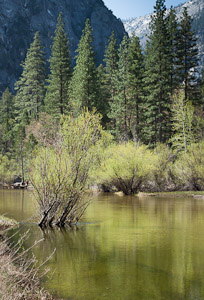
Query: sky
{"type": "Point", "coordinates": [125, 9]}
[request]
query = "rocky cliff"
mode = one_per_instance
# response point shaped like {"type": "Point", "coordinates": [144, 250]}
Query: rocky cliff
{"type": "Point", "coordinates": [20, 19]}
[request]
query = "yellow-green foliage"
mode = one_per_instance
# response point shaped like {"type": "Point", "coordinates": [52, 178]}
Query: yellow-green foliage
{"type": "Point", "coordinates": [84, 136]}
{"type": "Point", "coordinates": [182, 122]}
{"type": "Point", "coordinates": [163, 169]}
{"type": "Point", "coordinates": [126, 166]}
{"type": "Point", "coordinates": [189, 167]}
{"type": "Point", "coordinates": [60, 172]}
{"type": "Point", "coordinates": [51, 173]}
{"type": "Point", "coordinates": [7, 169]}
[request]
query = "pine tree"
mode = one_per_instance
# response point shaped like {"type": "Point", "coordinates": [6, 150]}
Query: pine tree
{"type": "Point", "coordinates": [135, 66]}
{"type": "Point", "coordinates": [103, 94]}
{"type": "Point", "coordinates": [120, 105]}
{"type": "Point", "coordinates": [84, 86]}
{"type": "Point", "coordinates": [201, 89]}
{"type": "Point", "coordinates": [125, 105]}
{"type": "Point", "coordinates": [7, 121]}
{"type": "Point", "coordinates": [187, 52]}
{"type": "Point", "coordinates": [172, 31]}
{"type": "Point", "coordinates": [56, 100]}
{"type": "Point", "coordinates": [30, 87]}
{"type": "Point", "coordinates": [111, 65]}
{"type": "Point", "coordinates": [157, 101]}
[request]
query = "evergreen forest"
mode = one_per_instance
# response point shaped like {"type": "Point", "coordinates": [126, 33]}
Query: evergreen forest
{"type": "Point", "coordinates": [134, 123]}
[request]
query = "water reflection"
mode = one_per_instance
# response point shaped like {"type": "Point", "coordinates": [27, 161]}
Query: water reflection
{"type": "Point", "coordinates": [17, 204]}
{"type": "Point", "coordinates": [124, 248]}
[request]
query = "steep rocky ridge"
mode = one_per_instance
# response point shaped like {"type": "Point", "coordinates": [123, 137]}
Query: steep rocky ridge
{"type": "Point", "coordinates": [140, 25]}
{"type": "Point", "coordinates": [20, 19]}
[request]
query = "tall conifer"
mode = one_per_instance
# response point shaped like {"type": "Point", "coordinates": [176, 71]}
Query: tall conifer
{"type": "Point", "coordinates": [120, 105]}
{"type": "Point", "coordinates": [7, 121]}
{"type": "Point", "coordinates": [187, 51]}
{"type": "Point", "coordinates": [84, 86]}
{"type": "Point", "coordinates": [103, 94]}
{"type": "Point", "coordinates": [111, 65]}
{"type": "Point", "coordinates": [157, 106]}
{"type": "Point", "coordinates": [56, 100]}
{"type": "Point", "coordinates": [201, 89]}
{"type": "Point", "coordinates": [135, 66]}
{"type": "Point", "coordinates": [30, 87]}
{"type": "Point", "coordinates": [172, 31]}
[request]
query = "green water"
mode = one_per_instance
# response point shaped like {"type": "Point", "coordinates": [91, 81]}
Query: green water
{"type": "Point", "coordinates": [125, 248]}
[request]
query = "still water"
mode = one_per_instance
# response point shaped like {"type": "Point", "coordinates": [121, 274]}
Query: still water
{"type": "Point", "coordinates": [125, 248]}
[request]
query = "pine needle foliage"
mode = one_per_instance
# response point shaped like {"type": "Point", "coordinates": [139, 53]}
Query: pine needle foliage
{"type": "Point", "coordinates": [187, 55]}
{"type": "Point", "coordinates": [119, 106]}
{"type": "Point", "coordinates": [111, 65]}
{"type": "Point", "coordinates": [172, 32]}
{"type": "Point", "coordinates": [84, 86]}
{"type": "Point", "coordinates": [30, 88]}
{"type": "Point", "coordinates": [7, 121]}
{"type": "Point", "coordinates": [135, 66]}
{"type": "Point", "coordinates": [56, 100]}
{"type": "Point", "coordinates": [157, 104]}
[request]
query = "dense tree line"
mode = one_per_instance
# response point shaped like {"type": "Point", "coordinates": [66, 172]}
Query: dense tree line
{"type": "Point", "coordinates": [149, 96]}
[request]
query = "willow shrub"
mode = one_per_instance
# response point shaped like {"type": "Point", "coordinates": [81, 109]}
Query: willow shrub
{"type": "Point", "coordinates": [189, 168]}
{"type": "Point", "coordinates": [7, 169]}
{"type": "Point", "coordinates": [126, 167]}
{"type": "Point", "coordinates": [60, 172]}
{"type": "Point", "coordinates": [163, 176]}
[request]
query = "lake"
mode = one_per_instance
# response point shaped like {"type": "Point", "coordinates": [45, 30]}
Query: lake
{"type": "Point", "coordinates": [124, 248]}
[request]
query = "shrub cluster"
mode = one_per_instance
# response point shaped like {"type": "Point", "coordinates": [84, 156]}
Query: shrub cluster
{"type": "Point", "coordinates": [8, 169]}
{"type": "Point", "coordinates": [132, 168]}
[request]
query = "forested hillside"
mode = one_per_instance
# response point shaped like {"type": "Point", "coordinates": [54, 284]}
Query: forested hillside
{"type": "Point", "coordinates": [20, 19]}
{"type": "Point", "coordinates": [149, 101]}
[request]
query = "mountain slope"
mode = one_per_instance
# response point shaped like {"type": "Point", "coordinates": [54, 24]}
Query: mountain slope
{"type": "Point", "coordinates": [140, 26]}
{"type": "Point", "coordinates": [19, 19]}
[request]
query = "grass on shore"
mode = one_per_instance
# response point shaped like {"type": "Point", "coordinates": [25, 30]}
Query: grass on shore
{"type": "Point", "coordinates": [6, 223]}
{"type": "Point", "coordinates": [174, 194]}
{"type": "Point", "coordinates": [178, 193]}
{"type": "Point", "coordinates": [19, 275]}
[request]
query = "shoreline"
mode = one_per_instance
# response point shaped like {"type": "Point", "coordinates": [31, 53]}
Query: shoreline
{"type": "Point", "coordinates": [176, 194]}
{"type": "Point", "coordinates": [6, 224]}
{"type": "Point", "coordinates": [18, 279]}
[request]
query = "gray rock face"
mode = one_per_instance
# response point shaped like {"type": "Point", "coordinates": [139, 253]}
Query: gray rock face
{"type": "Point", "coordinates": [20, 19]}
